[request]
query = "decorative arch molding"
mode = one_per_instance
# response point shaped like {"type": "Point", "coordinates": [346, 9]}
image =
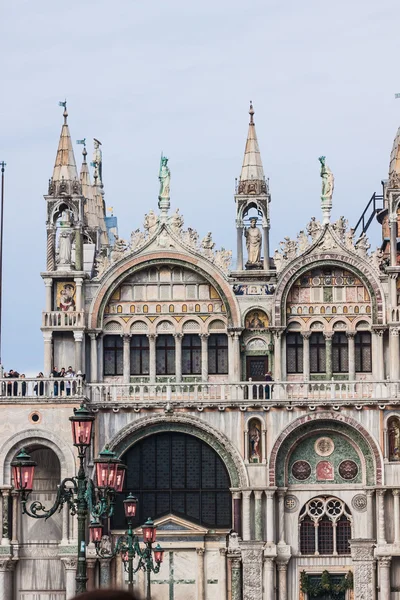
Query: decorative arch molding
{"type": "Point", "coordinates": [334, 422]}
{"type": "Point", "coordinates": [353, 263]}
{"type": "Point", "coordinates": [131, 265]}
{"type": "Point", "coordinates": [34, 437]}
{"type": "Point", "coordinates": [137, 430]}
{"type": "Point", "coordinates": [58, 208]}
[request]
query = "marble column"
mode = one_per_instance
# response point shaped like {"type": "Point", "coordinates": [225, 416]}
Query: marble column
{"type": "Point", "coordinates": [381, 516]}
{"type": "Point", "coordinates": [379, 357]}
{"type": "Point", "coordinates": [78, 293]}
{"type": "Point", "coordinates": [281, 516]}
{"type": "Point", "coordinates": [352, 355]}
{"type": "Point", "coordinates": [306, 354]}
{"type": "Point", "coordinates": [268, 578]}
{"type": "Point", "coordinates": [51, 248]}
{"type": "Point", "coordinates": [178, 357]}
{"type": "Point", "coordinates": [393, 240]}
{"type": "Point", "coordinates": [105, 572]}
{"type": "Point", "coordinates": [278, 356]}
{"type": "Point", "coordinates": [200, 574]}
{"type": "Point", "coordinates": [78, 337]}
{"type": "Point", "coordinates": [6, 524]}
{"type": "Point", "coordinates": [78, 249]}
{"type": "Point", "coordinates": [48, 352]}
{"type": "Point", "coordinates": [91, 574]}
{"type": "Point", "coordinates": [384, 577]}
{"type": "Point", "coordinates": [396, 514]}
{"type": "Point", "coordinates": [270, 516]}
{"type": "Point", "coordinates": [49, 288]}
{"type": "Point", "coordinates": [204, 356]}
{"type": "Point", "coordinates": [282, 580]}
{"type": "Point", "coordinates": [258, 520]}
{"type": "Point", "coordinates": [93, 357]}
{"type": "Point", "coordinates": [252, 564]}
{"type": "Point", "coordinates": [237, 512]}
{"type": "Point", "coordinates": [239, 230]}
{"type": "Point", "coordinates": [6, 578]}
{"type": "Point", "coordinates": [246, 494]}
{"type": "Point", "coordinates": [126, 358]}
{"type": "Point", "coordinates": [370, 514]}
{"type": "Point", "coordinates": [393, 291]}
{"type": "Point", "coordinates": [236, 578]}
{"type": "Point", "coordinates": [15, 514]}
{"type": "Point", "coordinates": [70, 565]}
{"type": "Point", "coordinates": [222, 574]}
{"type": "Point", "coordinates": [152, 357]}
{"type": "Point", "coordinates": [328, 335]}
{"type": "Point", "coordinates": [101, 354]}
{"type": "Point", "coordinates": [394, 353]}
{"type": "Point", "coordinates": [266, 247]}
{"type": "Point", "coordinates": [236, 356]}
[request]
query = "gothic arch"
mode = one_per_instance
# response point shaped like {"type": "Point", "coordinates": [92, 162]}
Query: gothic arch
{"type": "Point", "coordinates": [32, 437]}
{"type": "Point", "coordinates": [137, 430]}
{"type": "Point", "coordinates": [354, 264]}
{"type": "Point", "coordinates": [130, 265]}
{"type": "Point", "coordinates": [338, 422]}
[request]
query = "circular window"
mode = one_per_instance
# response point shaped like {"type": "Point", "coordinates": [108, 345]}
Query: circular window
{"type": "Point", "coordinates": [301, 470]}
{"type": "Point", "coordinates": [35, 417]}
{"type": "Point", "coordinates": [348, 469]}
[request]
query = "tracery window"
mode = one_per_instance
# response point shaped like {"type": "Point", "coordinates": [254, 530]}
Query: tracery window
{"type": "Point", "coordinates": [191, 355]}
{"type": "Point", "coordinates": [139, 355]}
{"type": "Point", "coordinates": [113, 355]}
{"type": "Point", "coordinates": [217, 354]}
{"type": "Point", "coordinates": [363, 352]}
{"type": "Point", "coordinates": [340, 353]}
{"type": "Point", "coordinates": [317, 353]}
{"type": "Point", "coordinates": [325, 527]}
{"type": "Point", "coordinates": [165, 355]}
{"type": "Point", "coordinates": [294, 353]}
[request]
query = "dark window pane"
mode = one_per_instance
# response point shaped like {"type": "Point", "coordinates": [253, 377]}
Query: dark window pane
{"type": "Point", "coordinates": [325, 536]}
{"type": "Point", "coordinates": [294, 353]}
{"type": "Point", "coordinates": [307, 536]}
{"type": "Point", "coordinates": [139, 355]}
{"type": "Point", "coordinates": [340, 353]}
{"type": "Point", "coordinates": [363, 352]}
{"type": "Point", "coordinates": [317, 353]}
{"type": "Point", "coordinates": [343, 535]}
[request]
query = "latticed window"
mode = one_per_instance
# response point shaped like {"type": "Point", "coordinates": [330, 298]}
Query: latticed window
{"type": "Point", "coordinates": [113, 361]}
{"type": "Point", "coordinates": [294, 353]}
{"type": "Point", "coordinates": [165, 355]}
{"type": "Point", "coordinates": [191, 355]}
{"type": "Point", "coordinates": [363, 352]}
{"type": "Point", "coordinates": [317, 353]}
{"type": "Point", "coordinates": [325, 527]}
{"type": "Point", "coordinates": [218, 354]}
{"type": "Point", "coordinates": [340, 353]}
{"type": "Point", "coordinates": [139, 355]}
{"type": "Point", "coordinates": [176, 473]}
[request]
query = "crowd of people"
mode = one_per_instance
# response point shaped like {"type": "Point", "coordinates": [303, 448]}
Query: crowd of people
{"type": "Point", "coordinates": [16, 387]}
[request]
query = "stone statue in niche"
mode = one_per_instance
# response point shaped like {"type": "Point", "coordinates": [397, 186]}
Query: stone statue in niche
{"type": "Point", "coordinates": [394, 439]}
{"type": "Point", "coordinates": [254, 441]}
{"type": "Point", "coordinates": [151, 222]}
{"type": "Point", "coordinates": [65, 241]}
{"type": "Point", "coordinates": [253, 243]}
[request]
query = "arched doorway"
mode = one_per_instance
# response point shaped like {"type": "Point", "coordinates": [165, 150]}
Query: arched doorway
{"type": "Point", "coordinates": [177, 473]}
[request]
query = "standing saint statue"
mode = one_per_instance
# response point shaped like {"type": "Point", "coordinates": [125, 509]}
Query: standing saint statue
{"type": "Point", "coordinates": [327, 190]}
{"type": "Point", "coordinates": [65, 247]}
{"type": "Point", "coordinates": [165, 177]}
{"type": "Point", "coordinates": [98, 159]}
{"type": "Point", "coordinates": [253, 243]}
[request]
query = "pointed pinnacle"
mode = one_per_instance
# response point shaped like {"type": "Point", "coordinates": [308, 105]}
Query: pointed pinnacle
{"type": "Point", "coordinates": [251, 113]}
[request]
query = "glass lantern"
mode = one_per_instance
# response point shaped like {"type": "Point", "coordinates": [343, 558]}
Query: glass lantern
{"type": "Point", "coordinates": [130, 504]}
{"type": "Point", "coordinates": [95, 532]}
{"type": "Point", "coordinates": [106, 469]}
{"type": "Point", "coordinates": [23, 469]}
{"type": "Point", "coordinates": [149, 532]}
{"type": "Point", "coordinates": [158, 554]}
{"type": "Point", "coordinates": [119, 483]}
{"type": "Point", "coordinates": [82, 423]}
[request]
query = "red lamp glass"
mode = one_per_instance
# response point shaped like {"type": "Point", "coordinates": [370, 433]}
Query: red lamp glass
{"type": "Point", "coordinates": [158, 554]}
{"type": "Point", "coordinates": [106, 469]}
{"type": "Point", "coordinates": [149, 532]}
{"type": "Point", "coordinates": [95, 532]}
{"type": "Point", "coordinates": [23, 468]}
{"type": "Point", "coordinates": [125, 557]}
{"type": "Point", "coordinates": [82, 423]}
{"type": "Point", "coordinates": [119, 483]}
{"type": "Point", "coordinates": [130, 504]}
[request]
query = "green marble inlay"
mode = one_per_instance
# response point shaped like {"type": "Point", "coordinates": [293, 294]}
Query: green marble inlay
{"type": "Point", "coordinates": [325, 428]}
{"type": "Point", "coordinates": [343, 450]}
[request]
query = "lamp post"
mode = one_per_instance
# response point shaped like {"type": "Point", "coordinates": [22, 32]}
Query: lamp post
{"type": "Point", "coordinates": [128, 546]}
{"type": "Point", "coordinates": [78, 493]}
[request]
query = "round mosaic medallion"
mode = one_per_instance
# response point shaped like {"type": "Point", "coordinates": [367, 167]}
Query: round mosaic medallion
{"type": "Point", "coordinates": [291, 503]}
{"type": "Point", "coordinates": [301, 470]}
{"type": "Point", "coordinates": [324, 446]}
{"type": "Point", "coordinates": [359, 502]}
{"type": "Point", "coordinates": [348, 469]}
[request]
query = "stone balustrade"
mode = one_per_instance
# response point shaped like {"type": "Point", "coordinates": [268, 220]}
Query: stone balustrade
{"type": "Point", "coordinates": [63, 320]}
{"type": "Point", "coordinates": [42, 388]}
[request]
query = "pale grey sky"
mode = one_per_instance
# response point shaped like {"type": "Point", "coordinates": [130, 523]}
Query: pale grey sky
{"type": "Point", "coordinates": [177, 76]}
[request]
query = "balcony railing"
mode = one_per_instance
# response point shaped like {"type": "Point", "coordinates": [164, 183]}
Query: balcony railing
{"type": "Point", "coordinates": [41, 388]}
{"type": "Point", "coordinates": [63, 320]}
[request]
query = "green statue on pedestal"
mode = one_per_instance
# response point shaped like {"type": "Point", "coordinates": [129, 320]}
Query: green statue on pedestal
{"type": "Point", "coordinates": [165, 177]}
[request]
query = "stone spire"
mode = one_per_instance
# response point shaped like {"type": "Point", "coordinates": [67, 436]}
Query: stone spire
{"type": "Point", "coordinates": [65, 166]}
{"type": "Point", "coordinates": [99, 206]}
{"type": "Point", "coordinates": [89, 207]}
{"type": "Point", "coordinates": [394, 166]}
{"type": "Point", "coordinates": [252, 179]}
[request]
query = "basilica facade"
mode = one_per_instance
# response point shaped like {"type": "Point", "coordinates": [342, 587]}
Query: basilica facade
{"type": "Point", "coordinates": [256, 405]}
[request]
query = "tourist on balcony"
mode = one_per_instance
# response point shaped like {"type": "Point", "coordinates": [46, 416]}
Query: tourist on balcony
{"type": "Point", "coordinates": [62, 384]}
{"type": "Point", "coordinates": [69, 384]}
{"type": "Point", "coordinates": [268, 387]}
{"type": "Point", "coordinates": [12, 388]}
{"type": "Point", "coordinates": [39, 386]}
{"type": "Point", "coordinates": [55, 373]}
{"type": "Point", "coordinates": [23, 385]}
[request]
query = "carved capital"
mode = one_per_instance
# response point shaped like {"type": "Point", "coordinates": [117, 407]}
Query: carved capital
{"type": "Point", "coordinates": [381, 493]}
{"type": "Point", "coordinates": [394, 331]}
{"type": "Point", "coordinates": [396, 492]}
{"type": "Point", "coordinates": [93, 335]}
{"type": "Point", "coordinates": [152, 336]}
{"type": "Point", "coordinates": [200, 551]}
{"type": "Point", "coordinates": [351, 334]}
{"type": "Point", "coordinates": [70, 563]}
{"type": "Point", "coordinates": [178, 336]}
{"type": "Point", "coordinates": [328, 335]}
{"type": "Point", "coordinates": [306, 335]}
{"type": "Point", "coordinates": [204, 336]}
{"type": "Point", "coordinates": [223, 551]}
{"type": "Point", "coordinates": [385, 562]}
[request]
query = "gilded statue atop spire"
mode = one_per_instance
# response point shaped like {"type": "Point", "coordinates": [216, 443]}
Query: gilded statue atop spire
{"type": "Point", "coordinates": [328, 182]}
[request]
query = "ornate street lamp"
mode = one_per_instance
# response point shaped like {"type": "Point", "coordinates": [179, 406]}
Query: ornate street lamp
{"type": "Point", "coordinates": [128, 546]}
{"type": "Point", "coordinates": [78, 493]}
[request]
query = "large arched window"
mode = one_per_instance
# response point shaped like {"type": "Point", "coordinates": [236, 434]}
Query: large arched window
{"type": "Point", "coordinates": [177, 473]}
{"type": "Point", "coordinates": [325, 527]}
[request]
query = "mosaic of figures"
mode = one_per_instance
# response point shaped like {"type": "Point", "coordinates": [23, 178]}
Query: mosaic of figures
{"type": "Point", "coordinates": [328, 292]}
{"type": "Point", "coordinates": [165, 290]}
{"type": "Point", "coordinates": [256, 319]}
{"type": "Point", "coordinates": [65, 296]}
